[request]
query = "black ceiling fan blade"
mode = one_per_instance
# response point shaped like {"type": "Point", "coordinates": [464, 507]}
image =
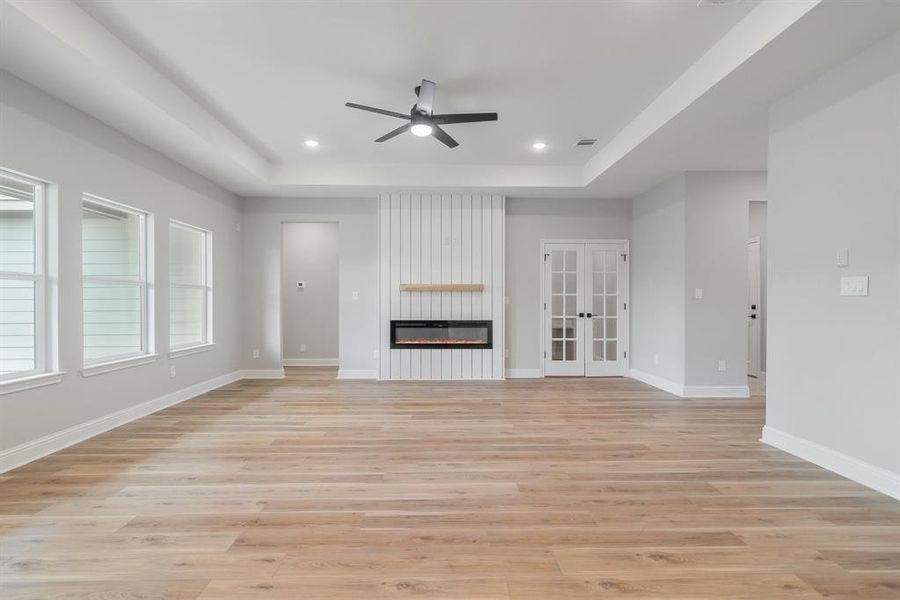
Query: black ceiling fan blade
{"type": "Point", "coordinates": [464, 118]}
{"type": "Point", "coordinates": [393, 133]}
{"type": "Point", "coordinates": [444, 137]}
{"type": "Point", "coordinates": [425, 103]}
{"type": "Point", "coordinates": [380, 111]}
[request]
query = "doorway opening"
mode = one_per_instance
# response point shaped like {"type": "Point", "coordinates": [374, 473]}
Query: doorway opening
{"type": "Point", "coordinates": [584, 329]}
{"type": "Point", "coordinates": [309, 295]}
{"type": "Point", "coordinates": [756, 300]}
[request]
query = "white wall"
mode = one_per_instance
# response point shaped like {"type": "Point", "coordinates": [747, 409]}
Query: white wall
{"type": "Point", "coordinates": [834, 182]}
{"type": "Point", "coordinates": [658, 281]}
{"type": "Point", "coordinates": [441, 238]}
{"type": "Point", "coordinates": [717, 222]}
{"type": "Point", "coordinates": [47, 139]}
{"type": "Point", "coordinates": [309, 253]}
{"type": "Point", "coordinates": [527, 222]}
{"type": "Point", "coordinates": [357, 271]}
{"type": "Point", "coordinates": [758, 228]}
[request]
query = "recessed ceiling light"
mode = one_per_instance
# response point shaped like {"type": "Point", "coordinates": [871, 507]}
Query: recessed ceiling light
{"type": "Point", "coordinates": [539, 145]}
{"type": "Point", "coordinates": [311, 143]}
{"type": "Point", "coordinates": [421, 129]}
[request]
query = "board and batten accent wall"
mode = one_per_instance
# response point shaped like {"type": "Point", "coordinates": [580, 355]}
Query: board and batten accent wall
{"type": "Point", "coordinates": [441, 238]}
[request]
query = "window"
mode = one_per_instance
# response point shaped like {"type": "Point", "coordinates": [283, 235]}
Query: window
{"type": "Point", "coordinates": [23, 315]}
{"type": "Point", "coordinates": [190, 286]}
{"type": "Point", "coordinates": [116, 289]}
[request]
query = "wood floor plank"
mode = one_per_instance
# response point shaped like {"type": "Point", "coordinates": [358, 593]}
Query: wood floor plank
{"type": "Point", "coordinates": [310, 487]}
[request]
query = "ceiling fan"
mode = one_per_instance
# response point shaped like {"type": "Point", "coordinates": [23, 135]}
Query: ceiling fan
{"type": "Point", "coordinates": [422, 121]}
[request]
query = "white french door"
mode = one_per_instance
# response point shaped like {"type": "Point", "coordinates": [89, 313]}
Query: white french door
{"type": "Point", "coordinates": [585, 308]}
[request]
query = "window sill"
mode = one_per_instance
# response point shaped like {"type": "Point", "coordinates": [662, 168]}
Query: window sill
{"type": "Point", "coordinates": [32, 381]}
{"type": "Point", "coordinates": [116, 365]}
{"type": "Point", "coordinates": [191, 350]}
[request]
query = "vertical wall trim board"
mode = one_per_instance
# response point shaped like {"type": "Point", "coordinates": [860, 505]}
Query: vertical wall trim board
{"type": "Point", "coordinates": [441, 238]}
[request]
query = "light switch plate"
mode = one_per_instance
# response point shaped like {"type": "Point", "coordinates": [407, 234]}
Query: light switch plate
{"type": "Point", "coordinates": [722, 365]}
{"type": "Point", "coordinates": [301, 285]}
{"type": "Point", "coordinates": [356, 295]}
{"type": "Point", "coordinates": [698, 293]}
{"type": "Point", "coordinates": [855, 286]}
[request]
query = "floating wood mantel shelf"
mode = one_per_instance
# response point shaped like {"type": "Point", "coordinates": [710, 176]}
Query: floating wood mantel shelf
{"type": "Point", "coordinates": [441, 287]}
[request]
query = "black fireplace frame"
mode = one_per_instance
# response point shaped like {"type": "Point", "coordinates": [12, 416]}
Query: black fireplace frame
{"type": "Point", "coordinates": [489, 325]}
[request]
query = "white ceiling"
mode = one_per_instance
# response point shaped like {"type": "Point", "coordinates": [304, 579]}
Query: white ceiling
{"type": "Point", "coordinates": [231, 89]}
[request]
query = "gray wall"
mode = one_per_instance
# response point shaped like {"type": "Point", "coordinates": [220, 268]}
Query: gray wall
{"type": "Point", "coordinates": [691, 232]}
{"type": "Point", "coordinates": [357, 221]}
{"type": "Point", "coordinates": [717, 221]}
{"type": "Point", "coordinates": [309, 252]}
{"type": "Point", "coordinates": [527, 222]}
{"type": "Point", "coordinates": [834, 182]}
{"type": "Point", "coordinates": [658, 280]}
{"type": "Point", "coordinates": [758, 228]}
{"type": "Point", "coordinates": [50, 140]}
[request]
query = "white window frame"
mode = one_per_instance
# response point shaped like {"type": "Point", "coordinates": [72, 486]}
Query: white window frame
{"type": "Point", "coordinates": [38, 276]}
{"type": "Point", "coordinates": [206, 286]}
{"type": "Point", "coordinates": [144, 283]}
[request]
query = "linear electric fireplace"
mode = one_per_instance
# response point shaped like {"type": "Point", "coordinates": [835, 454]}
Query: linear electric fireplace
{"type": "Point", "coordinates": [441, 334]}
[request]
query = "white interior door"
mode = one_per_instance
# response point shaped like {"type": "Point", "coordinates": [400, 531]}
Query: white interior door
{"type": "Point", "coordinates": [754, 328]}
{"type": "Point", "coordinates": [606, 328]}
{"type": "Point", "coordinates": [585, 297]}
{"type": "Point", "coordinates": [563, 301]}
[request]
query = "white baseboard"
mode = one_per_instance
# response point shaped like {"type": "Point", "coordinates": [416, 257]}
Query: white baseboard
{"type": "Point", "coordinates": [881, 480]}
{"type": "Point", "coordinates": [524, 373]}
{"type": "Point", "coordinates": [716, 391]}
{"type": "Point", "coordinates": [35, 449]}
{"type": "Point", "coordinates": [310, 362]}
{"type": "Point", "coordinates": [357, 374]}
{"type": "Point", "coordinates": [657, 382]}
{"type": "Point", "coordinates": [262, 374]}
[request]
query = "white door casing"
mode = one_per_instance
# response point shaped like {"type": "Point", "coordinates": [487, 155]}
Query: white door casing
{"type": "Point", "coordinates": [584, 328]}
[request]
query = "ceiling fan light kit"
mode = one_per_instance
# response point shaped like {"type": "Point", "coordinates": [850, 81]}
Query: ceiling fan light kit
{"type": "Point", "coordinates": [422, 121]}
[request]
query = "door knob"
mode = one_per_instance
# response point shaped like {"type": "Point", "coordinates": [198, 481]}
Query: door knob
{"type": "Point", "coordinates": [589, 315]}
{"type": "Point", "coordinates": [581, 315]}
{"type": "Point", "coordinates": [753, 316]}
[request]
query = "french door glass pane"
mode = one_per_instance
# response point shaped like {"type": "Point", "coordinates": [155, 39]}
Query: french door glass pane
{"type": "Point", "coordinates": [611, 328]}
{"type": "Point", "coordinates": [611, 282]}
{"type": "Point", "coordinates": [112, 320]}
{"type": "Point", "coordinates": [610, 306]}
{"type": "Point", "coordinates": [17, 326]}
{"type": "Point", "coordinates": [557, 350]}
{"type": "Point", "coordinates": [556, 306]}
{"type": "Point", "coordinates": [556, 260]}
{"type": "Point", "coordinates": [556, 329]}
{"type": "Point", "coordinates": [569, 331]}
{"type": "Point", "coordinates": [186, 308]}
{"type": "Point", "coordinates": [557, 285]}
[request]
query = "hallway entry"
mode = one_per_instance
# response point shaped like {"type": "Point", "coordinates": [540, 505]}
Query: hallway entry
{"type": "Point", "coordinates": [585, 307]}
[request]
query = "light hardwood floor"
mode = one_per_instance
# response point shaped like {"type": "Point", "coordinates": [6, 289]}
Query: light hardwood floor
{"type": "Point", "coordinates": [311, 488]}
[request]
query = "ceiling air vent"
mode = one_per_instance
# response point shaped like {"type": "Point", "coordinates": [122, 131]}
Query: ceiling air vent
{"type": "Point", "coordinates": [586, 142]}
